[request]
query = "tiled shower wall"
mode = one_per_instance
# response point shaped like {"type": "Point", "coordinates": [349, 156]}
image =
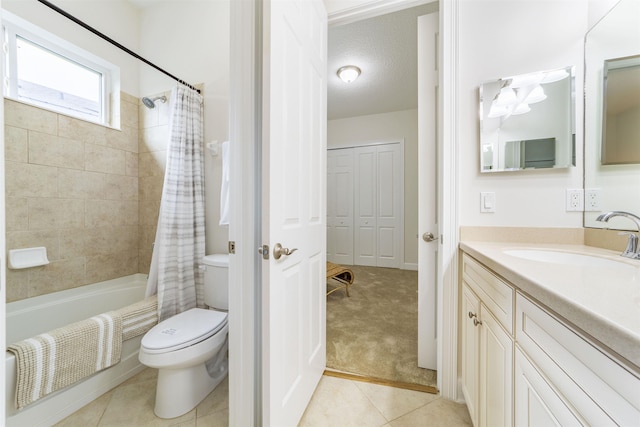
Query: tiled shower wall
{"type": "Point", "coordinates": [73, 187]}
{"type": "Point", "coordinates": [154, 140]}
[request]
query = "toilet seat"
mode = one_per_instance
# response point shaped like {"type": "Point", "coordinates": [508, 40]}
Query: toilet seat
{"type": "Point", "coordinates": [183, 330]}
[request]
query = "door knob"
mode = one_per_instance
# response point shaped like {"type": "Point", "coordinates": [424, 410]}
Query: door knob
{"type": "Point", "coordinates": [428, 237]}
{"type": "Point", "coordinates": [278, 251]}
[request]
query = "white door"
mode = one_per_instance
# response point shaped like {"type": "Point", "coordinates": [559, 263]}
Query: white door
{"type": "Point", "coordinates": [294, 207]}
{"type": "Point", "coordinates": [378, 201]}
{"type": "Point", "coordinates": [365, 177]}
{"type": "Point", "coordinates": [340, 206]}
{"type": "Point", "coordinates": [428, 241]}
{"type": "Point", "coordinates": [389, 230]}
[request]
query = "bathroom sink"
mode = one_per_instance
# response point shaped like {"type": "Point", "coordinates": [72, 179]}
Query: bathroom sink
{"type": "Point", "coordinates": [567, 258]}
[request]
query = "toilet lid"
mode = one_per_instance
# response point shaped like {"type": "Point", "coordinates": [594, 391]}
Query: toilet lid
{"type": "Point", "coordinates": [184, 329]}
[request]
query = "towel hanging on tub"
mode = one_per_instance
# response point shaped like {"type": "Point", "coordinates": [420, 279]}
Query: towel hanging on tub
{"type": "Point", "coordinates": [54, 360]}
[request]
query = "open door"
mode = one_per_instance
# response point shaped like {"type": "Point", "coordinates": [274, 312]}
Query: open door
{"type": "Point", "coordinates": [293, 207]}
{"type": "Point", "coordinates": [428, 241]}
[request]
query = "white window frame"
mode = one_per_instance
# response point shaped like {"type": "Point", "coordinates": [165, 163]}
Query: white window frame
{"type": "Point", "coordinates": [14, 26]}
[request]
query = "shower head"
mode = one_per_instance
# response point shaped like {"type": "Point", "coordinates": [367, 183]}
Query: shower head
{"type": "Point", "coordinates": [151, 102]}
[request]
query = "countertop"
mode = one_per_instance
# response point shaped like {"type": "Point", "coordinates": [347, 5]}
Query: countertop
{"type": "Point", "coordinates": [603, 302]}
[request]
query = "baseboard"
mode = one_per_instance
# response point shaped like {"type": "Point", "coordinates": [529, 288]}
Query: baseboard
{"type": "Point", "coordinates": [410, 266]}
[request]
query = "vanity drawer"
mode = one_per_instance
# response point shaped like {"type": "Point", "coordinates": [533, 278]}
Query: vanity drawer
{"type": "Point", "coordinates": [602, 391]}
{"type": "Point", "coordinates": [494, 293]}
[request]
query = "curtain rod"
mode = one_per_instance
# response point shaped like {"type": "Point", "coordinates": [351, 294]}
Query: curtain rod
{"type": "Point", "coordinates": [113, 42]}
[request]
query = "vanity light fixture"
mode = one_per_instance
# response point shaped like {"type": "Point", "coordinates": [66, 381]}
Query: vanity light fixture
{"type": "Point", "coordinates": [536, 95]}
{"type": "Point", "coordinates": [348, 73]}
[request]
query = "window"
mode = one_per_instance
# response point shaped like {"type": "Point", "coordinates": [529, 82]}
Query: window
{"type": "Point", "coordinates": [48, 72]}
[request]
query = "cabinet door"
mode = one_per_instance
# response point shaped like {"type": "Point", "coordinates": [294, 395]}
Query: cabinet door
{"type": "Point", "coordinates": [537, 404]}
{"type": "Point", "coordinates": [496, 372]}
{"type": "Point", "coordinates": [470, 351]}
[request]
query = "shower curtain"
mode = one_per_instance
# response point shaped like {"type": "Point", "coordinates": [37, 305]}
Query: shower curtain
{"type": "Point", "coordinates": [179, 247]}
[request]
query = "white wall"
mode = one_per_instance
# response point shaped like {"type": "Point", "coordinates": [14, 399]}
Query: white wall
{"type": "Point", "coordinates": [396, 125]}
{"type": "Point", "coordinates": [190, 39]}
{"type": "Point", "coordinates": [503, 38]}
{"type": "Point", "coordinates": [116, 18]}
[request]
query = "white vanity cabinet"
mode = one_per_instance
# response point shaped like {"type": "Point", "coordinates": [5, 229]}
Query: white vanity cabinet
{"type": "Point", "coordinates": [577, 384]}
{"type": "Point", "coordinates": [487, 346]}
{"type": "Point", "coordinates": [523, 365]}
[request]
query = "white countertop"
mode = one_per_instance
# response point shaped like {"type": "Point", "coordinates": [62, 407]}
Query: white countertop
{"type": "Point", "coordinates": [604, 302]}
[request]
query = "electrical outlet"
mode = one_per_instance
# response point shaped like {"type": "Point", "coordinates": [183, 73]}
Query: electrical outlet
{"type": "Point", "coordinates": [575, 199]}
{"type": "Point", "coordinates": [592, 198]}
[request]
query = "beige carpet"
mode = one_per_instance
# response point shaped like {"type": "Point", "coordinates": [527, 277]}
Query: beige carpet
{"type": "Point", "coordinates": [374, 332]}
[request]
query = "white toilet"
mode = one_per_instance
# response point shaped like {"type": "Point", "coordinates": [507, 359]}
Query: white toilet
{"type": "Point", "coordinates": [190, 348]}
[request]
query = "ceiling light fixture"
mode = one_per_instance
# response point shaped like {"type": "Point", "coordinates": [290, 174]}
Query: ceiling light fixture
{"type": "Point", "coordinates": [348, 73]}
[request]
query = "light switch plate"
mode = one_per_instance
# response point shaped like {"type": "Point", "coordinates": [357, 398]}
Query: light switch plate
{"type": "Point", "coordinates": [487, 202]}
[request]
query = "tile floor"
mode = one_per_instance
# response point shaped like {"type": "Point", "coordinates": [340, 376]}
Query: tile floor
{"type": "Point", "coordinates": [336, 402]}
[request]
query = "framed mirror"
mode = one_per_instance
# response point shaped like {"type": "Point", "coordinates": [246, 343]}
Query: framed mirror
{"type": "Point", "coordinates": [612, 46]}
{"type": "Point", "coordinates": [527, 121]}
{"type": "Point", "coordinates": [621, 111]}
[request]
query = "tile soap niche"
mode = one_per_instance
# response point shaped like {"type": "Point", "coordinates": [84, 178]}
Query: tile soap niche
{"type": "Point", "coordinates": [27, 257]}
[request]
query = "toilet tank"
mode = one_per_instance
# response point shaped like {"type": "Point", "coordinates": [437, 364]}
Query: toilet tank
{"type": "Point", "coordinates": [216, 281]}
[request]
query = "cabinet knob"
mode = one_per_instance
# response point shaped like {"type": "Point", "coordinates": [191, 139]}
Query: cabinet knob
{"type": "Point", "coordinates": [477, 322]}
{"type": "Point", "coordinates": [471, 315]}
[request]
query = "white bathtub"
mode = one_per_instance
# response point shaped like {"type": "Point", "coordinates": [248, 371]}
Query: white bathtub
{"type": "Point", "coordinates": [37, 315]}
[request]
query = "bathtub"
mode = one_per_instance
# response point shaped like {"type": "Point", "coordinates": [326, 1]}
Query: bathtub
{"type": "Point", "coordinates": [37, 315]}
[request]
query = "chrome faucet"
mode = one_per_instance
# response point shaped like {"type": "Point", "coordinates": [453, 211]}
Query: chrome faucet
{"type": "Point", "coordinates": [633, 249]}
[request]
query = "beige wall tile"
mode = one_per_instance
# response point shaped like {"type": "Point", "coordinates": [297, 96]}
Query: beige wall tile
{"type": "Point", "coordinates": [28, 117]}
{"type": "Point", "coordinates": [53, 214]}
{"type": "Point", "coordinates": [57, 276]}
{"type": "Point", "coordinates": [148, 212]}
{"type": "Point", "coordinates": [111, 239]}
{"type": "Point", "coordinates": [16, 144]}
{"type": "Point", "coordinates": [131, 164]}
{"type": "Point", "coordinates": [120, 187]}
{"type": "Point", "coordinates": [110, 266]}
{"type": "Point", "coordinates": [72, 242]}
{"type": "Point", "coordinates": [125, 138]}
{"type": "Point", "coordinates": [103, 213]}
{"type": "Point", "coordinates": [152, 163]}
{"type": "Point", "coordinates": [50, 150]}
{"type": "Point", "coordinates": [74, 184]}
{"type": "Point", "coordinates": [17, 213]}
{"type": "Point", "coordinates": [80, 130]}
{"type": "Point", "coordinates": [25, 180]}
{"type": "Point", "coordinates": [129, 113]}
{"type": "Point", "coordinates": [126, 97]}
{"type": "Point", "coordinates": [17, 285]}
{"type": "Point", "coordinates": [150, 187]}
{"type": "Point", "coordinates": [99, 158]}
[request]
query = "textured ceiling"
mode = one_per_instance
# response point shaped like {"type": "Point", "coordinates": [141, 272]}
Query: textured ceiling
{"type": "Point", "coordinates": [385, 49]}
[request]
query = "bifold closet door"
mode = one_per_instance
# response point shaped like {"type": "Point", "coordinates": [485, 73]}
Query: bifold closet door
{"type": "Point", "coordinates": [378, 176]}
{"type": "Point", "coordinates": [340, 206]}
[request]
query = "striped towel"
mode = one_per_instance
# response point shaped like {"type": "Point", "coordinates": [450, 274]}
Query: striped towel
{"type": "Point", "coordinates": [139, 317]}
{"type": "Point", "coordinates": [51, 361]}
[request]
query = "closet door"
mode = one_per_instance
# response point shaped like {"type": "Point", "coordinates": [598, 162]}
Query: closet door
{"type": "Point", "coordinates": [340, 206]}
{"type": "Point", "coordinates": [378, 186]}
{"type": "Point", "coordinates": [365, 198]}
{"type": "Point", "coordinates": [389, 205]}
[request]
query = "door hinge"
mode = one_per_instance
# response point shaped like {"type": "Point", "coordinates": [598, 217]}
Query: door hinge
{"type": "Point", "coordinates": [232, 247]}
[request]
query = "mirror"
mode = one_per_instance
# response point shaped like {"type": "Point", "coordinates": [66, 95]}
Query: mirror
{"type": "Point", "coordinates": [527, 121]}
{"type": "Point", "coordinates": [612, 48]}
{"type": "Point", "coordinates": [621, 106]}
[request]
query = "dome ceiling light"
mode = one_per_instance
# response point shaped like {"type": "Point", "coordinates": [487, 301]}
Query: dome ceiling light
{"type": "Point", "coordinates": [348, 73]}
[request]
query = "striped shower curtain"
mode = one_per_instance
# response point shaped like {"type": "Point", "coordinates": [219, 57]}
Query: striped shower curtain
{"type": "Point", "coordinates": [180, 239]}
